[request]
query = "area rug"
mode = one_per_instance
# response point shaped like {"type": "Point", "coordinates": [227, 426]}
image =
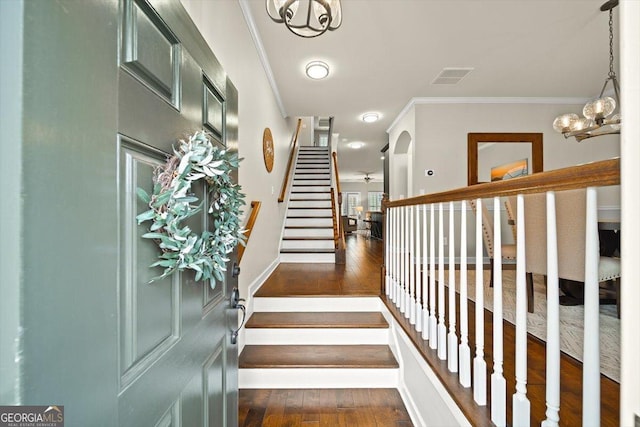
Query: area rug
{"type": "Point", "coordinates": [571, 320]}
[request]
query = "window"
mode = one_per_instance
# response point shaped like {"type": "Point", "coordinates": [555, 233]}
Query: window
{"type": "Point", "coordinates": [375, 200]}
{"type": "Point", "coordinates": [349, 203]}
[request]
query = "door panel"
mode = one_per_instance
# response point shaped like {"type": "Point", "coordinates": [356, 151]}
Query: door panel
{"type": "Point", "coordinates": [110, 86]}
{"type": "Point", "coordinates": [173, 332]}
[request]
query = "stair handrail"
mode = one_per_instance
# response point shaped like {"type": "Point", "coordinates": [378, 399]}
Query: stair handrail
{"type": "Point", "coordinates": [283, 191]}
{"type": "Point", "coordinates": [335, 221]}
{"type": "Point", "coordinates": [253, 216]}
{"type": "Point", "coordinates": [339, 194]}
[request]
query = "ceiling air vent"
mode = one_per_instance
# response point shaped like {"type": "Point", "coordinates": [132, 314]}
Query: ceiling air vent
{"type": "Point", "coordinates": [451, 76]}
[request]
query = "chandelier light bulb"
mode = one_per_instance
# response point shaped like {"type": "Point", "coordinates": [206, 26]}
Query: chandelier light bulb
{"type": "Point", "coordinates": [564, 122]}
{"type": "Point", "coordinates": [618, 119]}
{"type": "Point", "coordinates": [599, 108]}
{"type": "Point", "coordinates": [582, 124]}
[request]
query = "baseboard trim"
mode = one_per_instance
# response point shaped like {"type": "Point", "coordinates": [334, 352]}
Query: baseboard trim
{"type": "Point", "coordinates": [252, 289]}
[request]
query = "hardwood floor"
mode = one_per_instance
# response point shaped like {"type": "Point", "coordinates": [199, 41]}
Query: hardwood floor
{"type": "Point", "coordinates": [323, 408]}
{"type": "Point", "coordinates": [361, 276]}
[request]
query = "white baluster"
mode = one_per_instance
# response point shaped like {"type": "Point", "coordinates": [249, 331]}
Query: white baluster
{"type": "Point", "coordinates": [452, 337]}
{"type": "Point", "coordinates": [394, 245]}
{"type": "Point", "coordinates": [442, 329]}
{"type": "Point", "coordinates": [417, 303]}
{"type": "Point", "coordinates": [479, 364]}
{"type": "Point", "coordinates": [591, 357]}
{"type": "Point", "coordinates": [498, 383]}
{"type": "Point", "coordinates": [403, 264]}
{"type": "Point", "coordinates": [392, 240]}
{"type": "Point", "coordinates": [407, 255]}
{"type": "Point", "coordinates": [411, 308]}
{"type": "Point", "coordinates": [553, 318]}
{"type": "Point", "coordinates": [396, 261]}
{"type": "Point", "coordinates": [521, 404]}
{"type": "Point", "coordinates": [465, 351]}
{"type": "Point", "coordinates": [387, 255]}
{"type": "Point", "coordinates": [425, 278]}
{"type": "Point", "coordinates": [433, 324]}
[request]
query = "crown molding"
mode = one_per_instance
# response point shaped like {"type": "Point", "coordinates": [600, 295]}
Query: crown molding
{"type": "Point", "coordinates": [483, 100]}
{"type": "Point", "coordinates": [262, 54]}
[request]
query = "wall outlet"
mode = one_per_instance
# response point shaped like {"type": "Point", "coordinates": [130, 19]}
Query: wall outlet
{"type": "Point", "coordinates": [273, 190]}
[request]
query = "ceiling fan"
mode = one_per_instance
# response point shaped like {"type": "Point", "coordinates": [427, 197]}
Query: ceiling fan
{"type": "Point", "coordinates": [366, 178]}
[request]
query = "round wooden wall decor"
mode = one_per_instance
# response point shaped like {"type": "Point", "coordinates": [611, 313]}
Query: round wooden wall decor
{"type": "Point", "coordinates": [267, 149]}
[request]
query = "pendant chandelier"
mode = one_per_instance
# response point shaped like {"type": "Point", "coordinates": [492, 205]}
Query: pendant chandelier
{"type": "Point", "coordinates": [597, 118]}
{"type": "Point", "coordinates": [306, 18]}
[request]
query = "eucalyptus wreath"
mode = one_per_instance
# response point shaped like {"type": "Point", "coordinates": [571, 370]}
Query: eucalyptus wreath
{"type": "Point", "coordinates": [172, 202]}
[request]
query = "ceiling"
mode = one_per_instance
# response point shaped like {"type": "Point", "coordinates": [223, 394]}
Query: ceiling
{"type": "Point", "coordinates": [387, 52]}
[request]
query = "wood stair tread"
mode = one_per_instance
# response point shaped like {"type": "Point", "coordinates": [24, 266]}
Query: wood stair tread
{"type": "Point", "coordinates": [307, 238]}
{"type": "Point", "coordinates": [307, 251]}
{"type": "Point", "coordinates": [314, 227]}
{"type": "Point", "coordinates": [317, 356]}
{"type": "Point", "coordinates": [373, 320]}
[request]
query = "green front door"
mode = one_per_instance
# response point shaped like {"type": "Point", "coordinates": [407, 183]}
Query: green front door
{"type": "Point", "coordinates": [108, 87]}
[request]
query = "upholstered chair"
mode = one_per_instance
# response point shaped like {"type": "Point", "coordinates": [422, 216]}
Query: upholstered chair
{"type": "Point", "coordinates": [571, 238]}
{"type": "Point", "coordinates": [508, 250]}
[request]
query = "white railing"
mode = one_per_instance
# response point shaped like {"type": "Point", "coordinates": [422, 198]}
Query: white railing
{"type": "Point", "coordinates": [418, 290]}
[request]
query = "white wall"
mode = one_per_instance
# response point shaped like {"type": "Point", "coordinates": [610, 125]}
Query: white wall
{"type": "Point", "coordinates": [630, 173]}
{"type": "Point", "coordinates": [224, 28]}
{"type": "Point", "coordinates": [441, 139]}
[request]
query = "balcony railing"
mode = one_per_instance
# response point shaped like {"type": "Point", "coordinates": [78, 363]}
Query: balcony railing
{"type": "Point", "coordinates": [430, 295]}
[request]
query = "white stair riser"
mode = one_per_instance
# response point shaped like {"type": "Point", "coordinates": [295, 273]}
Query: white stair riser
{"type": "Point", "coordinates": [311, 189]}
{"type": "Point", "coordinates": [316, 196]}
{"type": "Point", "coordinates": [322, 204]}
{"type": "Point", "coordinates": [308, 244]}
{"type": "Point", "coordinates": [318, 378]}
{"type": "Point", "coordinates": [308, 232]}
{"type": "Point", "coordinates": [308, 258]}
{"type": "Point", "coordinates": [323, 182]}
{"type": "Point", "coordinates": [317, 304]}
{"type": "Point", "coordinates": [310, 222]}
{"type": "Point", "coordinates": [308, 212]}
{"type": "Point", "coordinates": [317, 336]}
{"type": "Point", "coordinates": [312, 176]}
{"type": "Point", "coordinates": [308, 169]}
{"type": "Point", "coordinates": [315, 159]}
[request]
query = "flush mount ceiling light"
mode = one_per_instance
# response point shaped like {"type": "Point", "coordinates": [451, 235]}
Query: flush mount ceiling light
{"type": "Point", "coordinates": [306, 18]}
{"type": "Point", "coordinates": [370, 117]}
{"type": "Point", "coordinates": [595, 121]}
{"type": "Point", "coordinates": [355, 145]}
{"type": "Point", "coordinates": [317, 70]}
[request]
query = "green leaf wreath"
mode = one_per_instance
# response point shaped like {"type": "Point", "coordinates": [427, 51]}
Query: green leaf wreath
{"type": "Point", "coordinates": [172, 202]}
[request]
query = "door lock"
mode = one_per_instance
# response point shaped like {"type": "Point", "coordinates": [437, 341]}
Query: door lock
{"type": "Point", "coordinates": [235, 271]}
{"type": "Point", "coordinates": [236, 302]}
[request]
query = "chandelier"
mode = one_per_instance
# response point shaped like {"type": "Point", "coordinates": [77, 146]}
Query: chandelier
{"type": "Point", "coordinates": [596, 120]}
{"type": "Point", "coordinates": [306, 18]}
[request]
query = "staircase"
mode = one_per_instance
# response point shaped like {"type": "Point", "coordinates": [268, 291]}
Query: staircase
{"type": "Point", "coordinates": [328, 346]}
{"type": "Point", "coordinates": [308, 231]}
